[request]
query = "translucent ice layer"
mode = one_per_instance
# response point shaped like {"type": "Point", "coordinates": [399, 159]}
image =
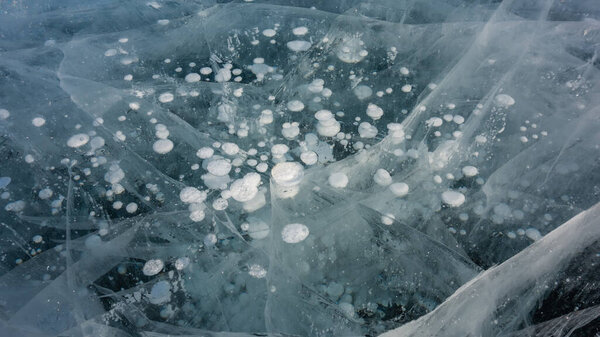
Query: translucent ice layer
{"type": "Point", "coordinates": [300, 168]}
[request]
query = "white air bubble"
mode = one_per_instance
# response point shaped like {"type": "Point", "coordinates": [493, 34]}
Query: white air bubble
{"type": "Point", "coordinates": [295, 105]}
{"type": "Point", "coordinates": [153, 267]}
{"type": "Point", "coordinates": [287, 173]}
{"type": "Point", "coordinates": [162, 146]}
{"type": "Point", "coordinates": [504, 100]}
{"type": "Point", "coordinates": [192, 77]}
{"type": "Point", "coordinates": [299, 45]}
{"type": "Point", "coordinates": [166, 97]}
{"type": "Point", "coordinates": [338, 180]}
{"type": "Point", "coordinates": [38, 121]}
{"type": "Point", "coordinates": [399, 189]}
{"type": "Point", "coordinates": [78, 140]}
{"type": "Point", "coordinates": [294, 233]}
{"type": "Point", "coordinates": [453, 198]}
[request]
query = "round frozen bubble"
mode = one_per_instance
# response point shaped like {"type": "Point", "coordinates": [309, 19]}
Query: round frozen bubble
{"type": "Point", "coordinates": [210, 239]}
{"type": "Point", "coordinates": [399, 189]}
{"type": "Point", "coordinates": [205, 153]}
{"type": "Point", "coordinates": [279, 150]}
{"type": "Point", "coordinates": [182, 262]}
{"type": "Point", "coordinates": [257, 271]}
{"type": "Point", "coordinates": [219, 167]}
{"type": "Point", "coordinates": [290, 130]}
{"type": "Point", "coordinates": [153, 267]}
{"type": "Point", "coordinates": [93, 242]}
{"type": "Point", "coordinates": [46, 193]}
{"type": "Point", "coordinates": [363, 92]}
{"type": "Point", "coordinates": [382, 177]}
{"type": "Point", "coordinates": [453, 198]}
{"type": "Point", "coordinates": [192, 77]}
{"type": "Point", "coordinates": [131, 207]}
{"type": "Point", "coordinates": [299, 45]}
{"type": "Point", "coordinates": [309, 157]}
{"type": "Point", "coordinates": [4, 114]}
{"type": "Point", "coordinates": [533, 234]}
{"type": "Point", "coordinates": [38, 121]}
{"type": "Point", "coordinates": [230, 148]}
{"type": "Point", "coordinates": [366, 130]}
{"type": "Point", "coordinates": [295, 105]}
{"type": "Point", "coordinates": [160, 292]}
{"type": "Point", "coordinates": [162, 146]}
{"type": "Point", "coordinates": [374, 111]}
{"type": "Point", "coordinates": [78, 140]}
{"type": "Point", "coordinates": [110, 52]}
{"type": "Point", "coordinates": [257, 229]}
{"type": "Point", "coordinates": [338, 180]}
{"type": "Point", "coordinates": [269, 32]}
{"type": "Point", "coordinates": [350, 50]}
{"type": "Point", "coordinates": [287, 173]}
{"type": "Point", "coordinates": [190, 195]}
{"type": "Point", "coordinates": [243, 190]}
{"type": "Point", "coordinates": [300, 31]}
{"type": "Point", "coordinates": [220, 204]}
{"type": "Point", "coordinates": [504, 100]}
{"type": "Point", "coordinates": [470, 171]}
{"type": "Point", "coordinates": [197, 215]}
{"type": "Point", "coordinates": [166, 97]}
{"type": "Point", "coordinates": [4, 181]}
{"type": "Point", "coordinates": [294, 233]}
{"type": "Point", "coordinates": [388, 219]}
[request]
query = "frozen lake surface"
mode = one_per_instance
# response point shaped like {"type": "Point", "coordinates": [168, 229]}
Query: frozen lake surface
{"type": "Point", "coordinates": [300, 168]}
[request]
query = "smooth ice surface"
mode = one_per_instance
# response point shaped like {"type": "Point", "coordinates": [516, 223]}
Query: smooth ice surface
{"type": "Point", "coordinates": [299, 168]}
